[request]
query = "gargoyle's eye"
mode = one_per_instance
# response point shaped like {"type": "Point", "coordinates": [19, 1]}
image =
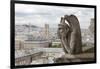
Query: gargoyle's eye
{"type": "Point", "coordinates": [59, 28]}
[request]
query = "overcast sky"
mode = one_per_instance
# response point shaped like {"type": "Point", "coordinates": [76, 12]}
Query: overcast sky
{"type": "Point", "coordinates": [40, 14]}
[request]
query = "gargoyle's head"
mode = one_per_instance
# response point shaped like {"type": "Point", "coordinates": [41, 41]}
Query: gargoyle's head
{"type": "Point", "coordinates": [63, 28]}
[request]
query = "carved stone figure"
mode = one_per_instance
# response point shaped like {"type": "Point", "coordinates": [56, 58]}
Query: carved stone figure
{"type": "Point", "coordinates": [64, 34]}
{"type": "Point", "coordinates": [70, 34]}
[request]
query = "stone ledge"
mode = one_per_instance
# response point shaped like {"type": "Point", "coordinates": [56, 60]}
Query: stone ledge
{"type": "Point", "coordinates": [67, 58]}
{"type": "Point", "coordinates": [80, 56]}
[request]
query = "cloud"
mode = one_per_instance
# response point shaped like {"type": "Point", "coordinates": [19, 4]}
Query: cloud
{"type": "Point", "coordinates": [40, 14]}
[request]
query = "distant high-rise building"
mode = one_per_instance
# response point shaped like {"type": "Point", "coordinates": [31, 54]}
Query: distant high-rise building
{"type": "Point", "coordinates": [47, 31]}
{"type": "Point", "coordinates": [91, 27]}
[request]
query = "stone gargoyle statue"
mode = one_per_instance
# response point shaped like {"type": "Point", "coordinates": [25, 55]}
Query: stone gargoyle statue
{"type": "Point", "coordinates": [70, 34]}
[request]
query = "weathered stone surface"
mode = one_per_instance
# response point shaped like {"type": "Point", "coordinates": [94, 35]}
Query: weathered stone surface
{"type": "Point", "coordinates": [64, 34]}
{"type": "Point", "coordinates": [70, 34]}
